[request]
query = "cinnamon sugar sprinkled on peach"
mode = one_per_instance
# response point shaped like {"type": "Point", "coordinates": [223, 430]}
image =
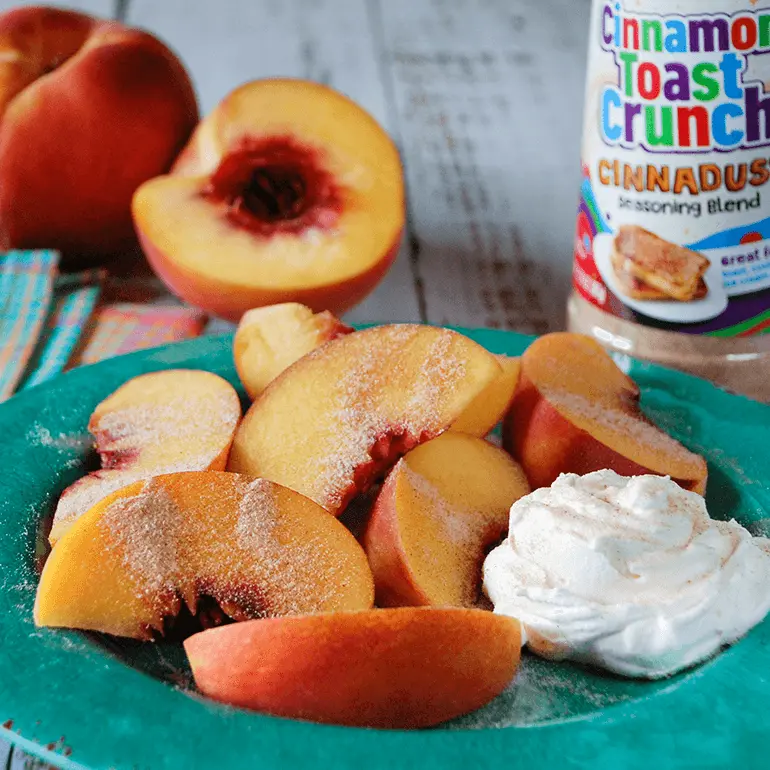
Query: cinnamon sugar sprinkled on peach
{"type": "Point", "coordinates": [442, 507]}
{"type": "Point", "coordinates": [344, 414]}
{"type": "Point", "coordinates": [255, 548]}
{"type": "Point", "coordinates": [574, 411]}
{"type": "Point", "coordinates": [165, 422]}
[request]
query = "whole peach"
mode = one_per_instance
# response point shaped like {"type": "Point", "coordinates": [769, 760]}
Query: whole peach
{"type": "Point", "coordinates": [89, 110]}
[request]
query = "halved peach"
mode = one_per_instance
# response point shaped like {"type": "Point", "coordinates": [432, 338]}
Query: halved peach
{"type": "Point", "coordinates": [575, 412]}
{"type": "Point", "coordinates": [287, 191]}
{"type": "Point", "coordinates": [175, 420]}
{"type": "Point", "coordinates": [493, 403]}
{"type": "Point", "coordinates": [400, 668]}
{"type": "Point", "coordinates": [254, 547]}
{"type": "Point", "coordinates": [270, 339]}
{"type": "Point", "coordinates": [443, 506]}
{"type": "Point", "coordinates": [343, 414]}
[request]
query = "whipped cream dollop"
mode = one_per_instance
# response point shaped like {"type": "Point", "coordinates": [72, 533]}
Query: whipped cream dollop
{"type": "Point", "coordinates": [630, 574]}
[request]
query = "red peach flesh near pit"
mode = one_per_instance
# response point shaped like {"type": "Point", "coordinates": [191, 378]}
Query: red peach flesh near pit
{"type": "Point", "coordinates": [275, 185]}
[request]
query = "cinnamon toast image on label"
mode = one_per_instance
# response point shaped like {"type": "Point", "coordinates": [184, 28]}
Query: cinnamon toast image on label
{"type": "Point", "coordinates": [658, 266]}
{"type": "Point", "coordinates": [635, 288]}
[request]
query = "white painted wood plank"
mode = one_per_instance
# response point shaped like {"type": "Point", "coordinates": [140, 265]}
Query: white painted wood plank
{"type": "Point", "coordinates": [231, 41]}
{"type": "Point", "coordinates": [5, 753]}
{"type": "Point", "coordinates": [103, 8]}
{"type": "Point", "coordinates": [489, 98]}
{"type": "Point", "coordinates": [20, 760]}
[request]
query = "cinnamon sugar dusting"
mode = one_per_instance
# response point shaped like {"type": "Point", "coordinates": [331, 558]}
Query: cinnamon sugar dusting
{"type": "Point", "coordinates": [296, 571]}
{"type": "Point", "coordinates": [636, 428]}
{"type": "Point", "coordinates": [453, 522]}
{"type": "Point", "coordinates": [234, 539]}
{"type": "Point", "coordinates": [146, 530]}
{"type": "Point", "coordinates": [383, 407]}
{"type": "Point", "coordinates": [86, 492]}
{"type": "Point", "coordinates": [257, 514]}
{"type": "Point", "coordinates": [184, 426]}
{"type": "Point", "coordinates": [185, 432]}
{"type": "Point", "coordinates": [451, 559]}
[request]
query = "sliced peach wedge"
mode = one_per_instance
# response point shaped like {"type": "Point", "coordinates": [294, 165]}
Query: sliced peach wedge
{"type": "Point", "coordinates": [574, 411]}
{"type": "Point", "coordinates": [255, 548]}
{"type": "Point", "coordinates": [493, 403]}
{"type": "Point", "coordinates": [441, 509]}
{"type": "Point", "coordinates": [287, 191]}
{"type": "Point", "coordinates": [163, 422]}
{"type": "Point", "coordinates": [342, 415]}
{"type": "Point", "coordinates": [270, 339]}
{"type": "Point", "coordinates": [400, 668]}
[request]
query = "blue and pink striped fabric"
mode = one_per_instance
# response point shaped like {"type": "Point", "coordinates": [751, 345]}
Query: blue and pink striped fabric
{"type": "Point", "coordinates": [51, 322]}
{"type": "Point", "coordinates": [26, 286]}
{"type": "Point", "coordinates": [74, 299]}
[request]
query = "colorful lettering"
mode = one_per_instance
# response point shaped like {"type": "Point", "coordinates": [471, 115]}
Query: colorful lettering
{"type": "Point", "coordinates": [699, 100]}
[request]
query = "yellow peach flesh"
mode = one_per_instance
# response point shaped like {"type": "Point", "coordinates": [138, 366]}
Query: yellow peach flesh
{"type": "Point", "coordinates": [350, 408]}
{"type": "Point", "coordinates": [256, 548]}
{"type": "Point", "coordinates": [441, 509]}
{"type": "Point", "coordinates": [174, 420]}
{"type": "Point", "coordinates": [270, 339]}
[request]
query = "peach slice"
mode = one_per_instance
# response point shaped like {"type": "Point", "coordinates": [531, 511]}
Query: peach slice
{"type": "Point", "coordinates": [287, 191]}
{"type": "Point", "coordinates": [400, 668]}
{"type": "Point", "coordinates": [493, 403]}
{"type": "Point", "coordinates": [575, 412]}
{"type": "Point", "coordinates": [343, 414]}
{"type": "Point", "coordinates": [254, 547]}
{"type": "Point", "coordinates": [164, 422]}
{"type": "Point", "coordinates": [270, 339]}
{"type": "Point", "coordinates": [443, 506]}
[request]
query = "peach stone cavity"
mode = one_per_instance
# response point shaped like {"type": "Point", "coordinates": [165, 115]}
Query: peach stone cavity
{"type": "Point", "coordinates": [164, 422]}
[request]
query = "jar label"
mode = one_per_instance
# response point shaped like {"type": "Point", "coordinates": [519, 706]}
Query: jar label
{"type": "Point", "coordinates": [673, 228]}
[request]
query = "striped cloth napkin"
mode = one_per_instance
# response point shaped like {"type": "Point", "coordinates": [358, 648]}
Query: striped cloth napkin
{"type": "Point", "coordinates": [51, 322]}
{"type": "Point", "coordinates": [124, 327]}
{"type": "Point", "coordinates": [74, 300]}
{"type": "Point", "coordinates": [26, 286]}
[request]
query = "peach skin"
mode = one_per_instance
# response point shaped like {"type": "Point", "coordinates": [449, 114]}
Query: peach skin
{"type": "Point", "coordinates": [441, 509]}
{"type": "Point", "coordinates": [175, 420]}
{"type": "Point", "coordinates": [287, 192]}
{"type": "Point", "coordinates": [574, 411]}
{"type": "Point", "coordinates": [90, 110]}
{"type": "Point", "coordinates": [255, 548]}
{"type": "Point", "coordinates": [400, 668]}
{"type": "Point", "coordinates": [270, 339]}
{"type": "Point", "coordinates": [340, 417]}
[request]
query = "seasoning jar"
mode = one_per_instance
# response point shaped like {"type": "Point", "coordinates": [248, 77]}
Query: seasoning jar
{"type": "Point", "coordinates": [672, 246]}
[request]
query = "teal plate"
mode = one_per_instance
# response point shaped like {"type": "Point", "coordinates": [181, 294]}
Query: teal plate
{"type": "Point", "coordinates": [83, 701]}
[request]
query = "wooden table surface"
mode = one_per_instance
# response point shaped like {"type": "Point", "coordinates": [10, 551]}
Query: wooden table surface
{"type": "Point", "coordinates": [483, 98]}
